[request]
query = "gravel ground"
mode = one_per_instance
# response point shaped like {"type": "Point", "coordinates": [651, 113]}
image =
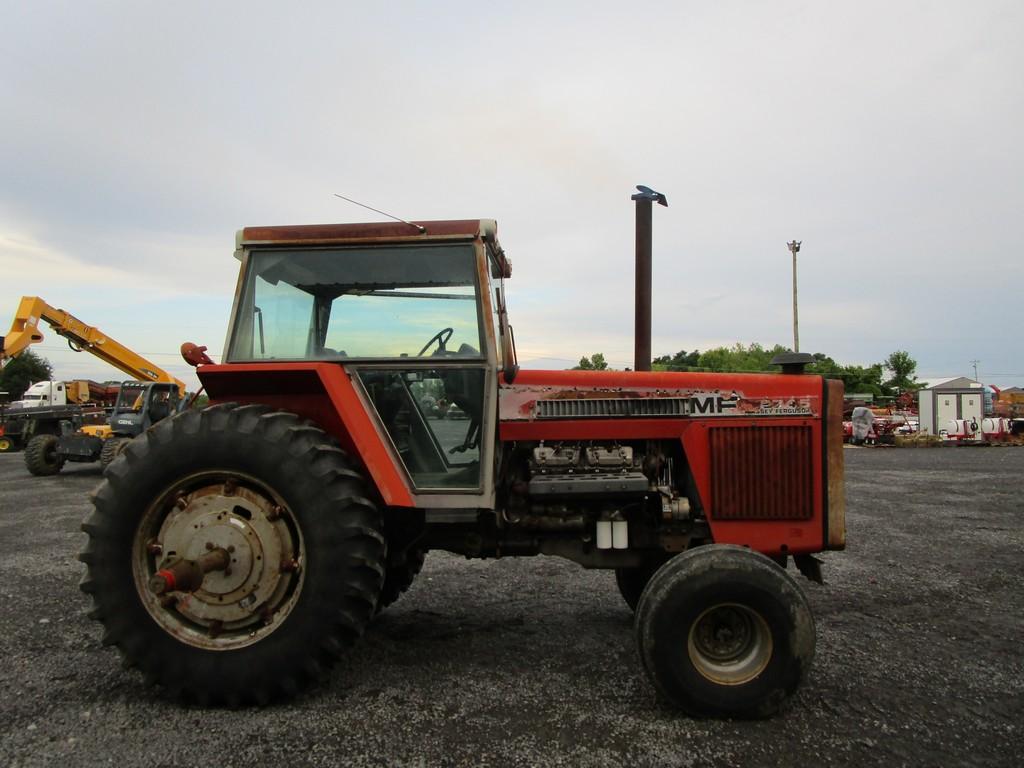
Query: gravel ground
{"type": "Point", "coordinates": [920, 657]}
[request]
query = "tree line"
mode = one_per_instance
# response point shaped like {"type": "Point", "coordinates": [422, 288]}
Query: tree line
{"type": "Point", "coordinates": [861, 379]}
{"type": "Point", "coordinates": [22, 372]}
{"type": "Point", "coordinates": [29, 367]}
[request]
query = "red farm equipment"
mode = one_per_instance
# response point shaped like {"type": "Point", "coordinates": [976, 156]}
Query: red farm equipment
{"type": "Point", "coordinates": [370, 409]}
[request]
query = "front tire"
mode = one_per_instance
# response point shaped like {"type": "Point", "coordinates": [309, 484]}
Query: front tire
{"type": "Point", "coordinates": [112, 448]}
{"type": "Point", "coordinates": [41, 457]}
{"type": "Point", "coordinates": [724, 632]}
{"type": "Point", "coordinates": [305, 549]}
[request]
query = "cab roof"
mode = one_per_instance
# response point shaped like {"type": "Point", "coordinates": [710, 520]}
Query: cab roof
{"type": "Point", "coordinates": [328, 234]}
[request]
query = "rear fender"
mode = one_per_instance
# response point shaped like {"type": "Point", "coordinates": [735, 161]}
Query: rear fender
{"type": "Point", "coordinates": [324, 394]}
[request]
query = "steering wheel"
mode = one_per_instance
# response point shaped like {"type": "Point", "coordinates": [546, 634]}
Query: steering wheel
{"type": "Point", "coordinates": [441, 337]}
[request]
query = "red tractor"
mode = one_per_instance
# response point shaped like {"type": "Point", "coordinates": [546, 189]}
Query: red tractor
{"type": "Point", "coordinates": [370, 409]}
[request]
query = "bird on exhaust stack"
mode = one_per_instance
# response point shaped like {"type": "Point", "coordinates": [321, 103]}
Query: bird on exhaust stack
{"type": "Point", "coordinates": [646, 193]}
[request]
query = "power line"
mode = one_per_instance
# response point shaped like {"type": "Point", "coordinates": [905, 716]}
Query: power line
{"type": "Point", "coordinates": [154, 354]}
{"type": "Point", "coordinates": [940, 375]}
{"type": "Point", "coordinates": [622, 363]}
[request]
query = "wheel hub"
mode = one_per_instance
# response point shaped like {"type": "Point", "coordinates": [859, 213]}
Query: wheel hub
{"type": "Point", "coordinates": [730, 644]}
{"type": "Point", "coordinates": [723, 634]}
{"type": "Point", "coordinates": [231, 605]}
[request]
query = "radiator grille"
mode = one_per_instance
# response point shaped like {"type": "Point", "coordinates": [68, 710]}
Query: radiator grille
{"type": "Point", "coordinates": [613, 406]}
{"type": "Point", "coordinates": [762, 473]}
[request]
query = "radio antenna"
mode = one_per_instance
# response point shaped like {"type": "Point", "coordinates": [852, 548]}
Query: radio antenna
{"type": "Point", "coordinates": [421, 230]}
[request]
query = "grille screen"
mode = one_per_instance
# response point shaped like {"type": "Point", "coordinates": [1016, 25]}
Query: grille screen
{"type": "Point", "coordinates": [762, 473]}
{"type": "Point", "coordinates": [613, 406]}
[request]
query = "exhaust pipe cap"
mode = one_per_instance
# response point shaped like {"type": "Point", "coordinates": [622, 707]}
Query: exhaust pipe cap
{"type": "Point", "coordinates": [792, 362]}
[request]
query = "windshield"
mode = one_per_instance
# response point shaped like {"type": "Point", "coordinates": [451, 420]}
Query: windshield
{"type": "Point", "coordinates": [379, 302]}
{"type": "Point", "coordinates": [128, 399]}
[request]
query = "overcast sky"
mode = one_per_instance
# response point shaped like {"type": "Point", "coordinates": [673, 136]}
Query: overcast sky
{"type": "Point", "coordinates": [137, 137]}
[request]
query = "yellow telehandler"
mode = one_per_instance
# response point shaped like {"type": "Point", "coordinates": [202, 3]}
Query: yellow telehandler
{"type": "Point", "coordinates": [58, 433]}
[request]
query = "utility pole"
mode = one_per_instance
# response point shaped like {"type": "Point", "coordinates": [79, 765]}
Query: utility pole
{"type": "Point", "coordinates": [975, 364]}
{"type": "Point", "coordinates": [794, 248]}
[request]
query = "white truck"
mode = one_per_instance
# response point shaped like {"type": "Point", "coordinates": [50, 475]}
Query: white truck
{"type": "Point", "coordinates": [44, 394]}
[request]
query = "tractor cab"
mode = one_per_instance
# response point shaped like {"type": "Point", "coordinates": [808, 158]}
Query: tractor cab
{"type": "Point", "coordinates": [416, 322]}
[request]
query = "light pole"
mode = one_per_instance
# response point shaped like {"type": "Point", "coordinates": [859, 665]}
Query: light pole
{"type": "Point", "coordinates": [794, 248]}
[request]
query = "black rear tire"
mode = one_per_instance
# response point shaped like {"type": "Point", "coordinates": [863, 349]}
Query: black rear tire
{"type": "Point", "coordinates": [399, 577]}
{"type": "Point", "coordinates": [632, 581]}
{"type": "Point", "coordinates": [41, 457]}
{"type": "Point", "coordinates": [724, 632]}
{"type": "Point", "coordinates": [306, 546]}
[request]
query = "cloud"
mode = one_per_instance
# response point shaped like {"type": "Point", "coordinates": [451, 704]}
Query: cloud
{"type": "Point", "coordinates": [141, 140]}
{"type": "Point", "coordinates": [32, 261]}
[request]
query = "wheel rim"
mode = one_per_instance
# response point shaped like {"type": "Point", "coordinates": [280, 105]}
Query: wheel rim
{"type": "Point", "coordinates": [5, 444]}
{"type": "Point", "coordinates": [730, 644]}
{"type": "Point", "coordinates": [254, 594]}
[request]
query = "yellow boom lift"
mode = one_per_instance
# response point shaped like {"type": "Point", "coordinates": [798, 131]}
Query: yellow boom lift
{"type": "Point", "coordinates": [153, 395]}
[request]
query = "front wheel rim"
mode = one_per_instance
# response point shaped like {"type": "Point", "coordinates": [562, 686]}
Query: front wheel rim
{"type": "Point", "coordinates": [250, 598]}
{"type": "Point", "coordinates": [729, 644]}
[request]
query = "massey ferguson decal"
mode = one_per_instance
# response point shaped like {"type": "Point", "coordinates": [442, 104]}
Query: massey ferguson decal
{"type": "Point", "coordinates": [735, 404]}
{"type": "Point", "coordinates": [792, 407]}
{"type": "Point", "coordinates": [712, 405]}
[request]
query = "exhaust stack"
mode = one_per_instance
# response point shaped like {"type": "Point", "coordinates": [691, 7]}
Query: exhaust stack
{"type": "Point", "coordinates": [642, 322]}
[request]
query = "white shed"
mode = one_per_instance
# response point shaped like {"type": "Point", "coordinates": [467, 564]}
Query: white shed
{"type": "Point", "coordinates": [960, 398]}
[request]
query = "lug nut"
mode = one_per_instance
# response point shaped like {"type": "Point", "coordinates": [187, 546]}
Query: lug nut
{"type": "Point", "coordinates": [289, 566]}
{"type": "Point", "coordinates": [180, 502]}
